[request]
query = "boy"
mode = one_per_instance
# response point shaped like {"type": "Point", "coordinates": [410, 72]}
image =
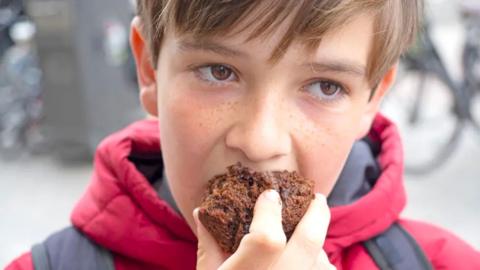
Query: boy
{"type": "Point", "coordinates": [276, 85]}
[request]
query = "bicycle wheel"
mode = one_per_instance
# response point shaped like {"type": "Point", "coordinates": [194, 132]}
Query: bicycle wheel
{"type": "Point", "coordinates": [424, 107]}
{"type": "Point", "coordinates": [471, 67]}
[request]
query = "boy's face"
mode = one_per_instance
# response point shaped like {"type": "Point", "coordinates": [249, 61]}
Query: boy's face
{"type": "Point", "coordinates": [225, 103]}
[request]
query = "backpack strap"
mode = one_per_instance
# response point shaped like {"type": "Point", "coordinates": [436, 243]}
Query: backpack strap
{"type": "Point", "coordinates": [396, 249]}
{"type": "Point", "coordinates": [40, 257]}
{"type": "Point", "coordinates": [72, 250]}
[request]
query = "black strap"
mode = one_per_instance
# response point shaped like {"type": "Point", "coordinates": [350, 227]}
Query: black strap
{"type": "Point", "coordinates": [396, 249]}
{"type": "Point", "coordinates": [422, 258]}
{"type": "Point", "coordinates": [40, 257]}
{"type": "Point", "coordinates": [377, 255]}
{"type": "Point", "coordinates": [69, 249]}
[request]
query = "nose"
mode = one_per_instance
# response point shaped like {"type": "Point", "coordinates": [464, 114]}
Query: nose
{"type": "Point", "coordinates": [261, 131]}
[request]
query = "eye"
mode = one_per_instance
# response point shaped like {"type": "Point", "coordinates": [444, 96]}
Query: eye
{"type": "Point", "coordinates": [216, 73]}
{"type": "Point", "coordinates": [326, 90]}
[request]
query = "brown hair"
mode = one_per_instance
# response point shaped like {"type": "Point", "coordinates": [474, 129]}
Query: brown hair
{"type": "Point", "coordinates": [395, 26]}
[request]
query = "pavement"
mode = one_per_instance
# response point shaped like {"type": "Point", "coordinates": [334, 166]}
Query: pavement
{"type": "Point", "coordinates": [37, 195]}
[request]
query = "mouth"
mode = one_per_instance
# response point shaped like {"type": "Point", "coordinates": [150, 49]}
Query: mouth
{"type": "Point", "coordinates": [227, 207]}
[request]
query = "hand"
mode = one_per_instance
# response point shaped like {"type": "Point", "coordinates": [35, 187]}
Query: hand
{"type": "Point", "coordinates": [265, 246]}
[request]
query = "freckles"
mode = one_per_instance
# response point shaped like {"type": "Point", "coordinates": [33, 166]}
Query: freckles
{"type": "Point", "coordinates": [205, 122]}
{"type": "Point", "coordinates": [321, 138]}
{"type": "Point", "coordinates": [215, 116]}
{"type": "Point", "coordinates": [218, 115]}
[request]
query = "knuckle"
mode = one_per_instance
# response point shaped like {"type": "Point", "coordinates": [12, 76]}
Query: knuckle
{"type": "Point", "coordinates": [323, 208]}
{"type": "Point", "coordinates": [330, 266]}
{"type": "Point", "coordinates": [323, 262]}
{"type": "Point", "coordinates": [267, 241]}
{"type": "Point", "coordinates": [323, 266]}
{"type": "Point", "coordinates": [327, 215]}
{"type": "Point", "coordinates": [313, 242]}
{"type": "Point", "coordinates": [321, 215]}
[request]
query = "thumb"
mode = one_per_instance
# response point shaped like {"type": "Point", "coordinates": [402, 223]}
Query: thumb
{"type": "Point", "coordinates": [209, 254]}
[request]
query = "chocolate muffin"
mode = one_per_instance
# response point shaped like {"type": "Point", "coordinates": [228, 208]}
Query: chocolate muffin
{"type": "Point", "coordinates": [227, 207]}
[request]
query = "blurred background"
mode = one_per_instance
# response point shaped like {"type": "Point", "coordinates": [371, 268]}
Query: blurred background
{"type": "Point", "coordinates": [67, 80]}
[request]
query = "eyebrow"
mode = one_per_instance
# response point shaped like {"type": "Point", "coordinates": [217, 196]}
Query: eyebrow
{"type": "Point", "coordinates": [208, 46]}
{"type": "Point", "coordinates": [338, 66]}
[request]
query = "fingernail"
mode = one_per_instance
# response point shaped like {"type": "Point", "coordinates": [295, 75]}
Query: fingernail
{"type": "Point", "coordinates": [273, 196]}
{"type": "Point", "coordinates": [196, 221]}
{"type": "Point", "coordinates": [195, 215]}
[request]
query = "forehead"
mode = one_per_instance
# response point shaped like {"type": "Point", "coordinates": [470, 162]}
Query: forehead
{"type": "Point", "coordinates": [345, 48]}
{"type": "Point", "coordinates": [284, 20]}
{"type": "Point", "coordinates": [353, 40]}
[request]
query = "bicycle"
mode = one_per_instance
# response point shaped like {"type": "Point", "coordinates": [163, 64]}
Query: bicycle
{"type": "Point", "coordinates": [21, 103]}
{"type": "Point", "coordinates": [10, 11]}
{"type": "Point", "coordinates": [432, 108]}
{"type": "Point", "coordinates": [471, 59]}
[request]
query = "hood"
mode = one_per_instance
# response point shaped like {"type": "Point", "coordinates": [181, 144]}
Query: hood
{"type": "Point", "coordinates": [369, 195]}
{"type": "Point", "coordinates": [122, 210]}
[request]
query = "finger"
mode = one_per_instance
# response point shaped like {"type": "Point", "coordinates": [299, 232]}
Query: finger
{"type": "Point", "coordinates": [266, 240]}
{"type": "Point", "coordinates": [267, 215]}
{"type": "Point", "coordinates": [322, 262]}
{"type": "Point", "coordinates": [209, 253]}
{"type": "Point", "coordinates": [308, 238]}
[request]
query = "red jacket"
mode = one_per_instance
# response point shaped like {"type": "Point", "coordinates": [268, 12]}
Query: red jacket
{"type": "Point", "coordinates": [122, 212]}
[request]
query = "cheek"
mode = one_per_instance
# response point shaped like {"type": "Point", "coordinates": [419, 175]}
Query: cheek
{"type": "Point", "coordinates": [184, 141]}
{"type": "Point", "coordinates": [323, 145]}
{"type": "Point", "coordinates": [190, 129]}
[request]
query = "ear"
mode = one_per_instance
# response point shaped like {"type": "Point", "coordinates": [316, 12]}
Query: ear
{"type": "Point", "coordinates": [145, 72]}
{"type": "Point", "coordinates": [374, 104]}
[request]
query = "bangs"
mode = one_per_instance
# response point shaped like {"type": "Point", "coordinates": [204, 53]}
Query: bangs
{"type": "Point", "coordinates": [395, 23]}
{"type": "Point", "coordinates": [309, 20]}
